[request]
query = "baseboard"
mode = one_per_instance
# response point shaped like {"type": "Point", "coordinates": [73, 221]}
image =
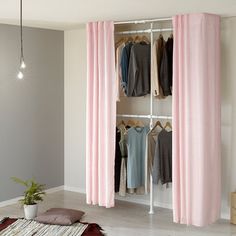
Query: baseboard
{"type": "Point", "coordinates": [10, 202]}
{"type": "Point", "coordinates": [74, 189]}
{"type": "Point", "coordinates": [56, 189]}
{"type": "Point", "coordinates": [15, 200]}
{"type": "Point", "coordinates": [225, 216]}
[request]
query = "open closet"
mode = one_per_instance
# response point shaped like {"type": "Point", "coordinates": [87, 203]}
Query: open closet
{"type": "Point", "coordinates": [144, 112]}
{"type": "Point", "coordinates": [195, 91]}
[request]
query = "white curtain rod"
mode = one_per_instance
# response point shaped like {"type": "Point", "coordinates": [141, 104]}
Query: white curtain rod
{"type": "Point", "coordinates": [145, 116]}
{"type": "Point", "coordinates": [142, 21]}
{"type": "Point", "coordinates": [144, 31]}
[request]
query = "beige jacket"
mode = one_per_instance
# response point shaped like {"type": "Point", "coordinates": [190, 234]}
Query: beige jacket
{"type": "Point", "coordinates": [118, 71]}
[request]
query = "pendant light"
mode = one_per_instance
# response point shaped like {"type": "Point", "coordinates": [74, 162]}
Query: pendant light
{"type": "Point", "coordinates": [20, 74]}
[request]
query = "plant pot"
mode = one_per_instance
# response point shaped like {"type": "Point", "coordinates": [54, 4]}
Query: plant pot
{"type": "Point", "coordinates": [30, 211]}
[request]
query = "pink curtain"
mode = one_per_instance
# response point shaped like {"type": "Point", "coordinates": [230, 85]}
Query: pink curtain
{"type": "Point", "coordinates": [196, 119]}
{"type": "Point", "coordinates": [101, 114]}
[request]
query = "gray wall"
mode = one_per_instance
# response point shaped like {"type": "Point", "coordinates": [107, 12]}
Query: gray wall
{"type": "Point", "coordinates": [31, 110]}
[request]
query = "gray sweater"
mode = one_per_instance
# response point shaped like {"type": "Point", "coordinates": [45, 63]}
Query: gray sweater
{"type": "Point", "coordinates": [139, 70]}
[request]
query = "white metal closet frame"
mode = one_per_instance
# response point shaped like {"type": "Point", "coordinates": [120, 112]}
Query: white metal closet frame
{"type": "Point", "coordinates": [150, 116]}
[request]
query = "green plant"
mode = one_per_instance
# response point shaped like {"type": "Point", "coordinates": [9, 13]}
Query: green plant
{"type": "Point", "coordinates": [34, 191]}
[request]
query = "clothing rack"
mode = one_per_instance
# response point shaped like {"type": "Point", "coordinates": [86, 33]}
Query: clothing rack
{"type": "Point", "coordinates": [143, 21]}
{"type": "Point", "coordinates": [147, 31]}
{"type": "Point", "coordinates": [150, 116]}
{"type": "Point", "coordinates": [145, 116]}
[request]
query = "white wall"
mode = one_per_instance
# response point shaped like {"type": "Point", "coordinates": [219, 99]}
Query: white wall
{"type": "Point", "coordinates": [75, 108]}
{"type": "Point", "coordinates": [75, 101]}
{"type": "Point", "coordinates": [228, 107]}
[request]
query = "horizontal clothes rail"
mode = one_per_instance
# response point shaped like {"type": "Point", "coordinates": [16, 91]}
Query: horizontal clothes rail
{"type": "Point", "coordinates": [145, 116]}
{"type": "Point", "coordinates": [146, 31]}
{"type": "Point", "coordinates": [143, 21]}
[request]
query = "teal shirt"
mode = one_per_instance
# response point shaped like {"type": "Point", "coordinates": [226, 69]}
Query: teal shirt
{"type": "Point", "coordinates": [136, 145]}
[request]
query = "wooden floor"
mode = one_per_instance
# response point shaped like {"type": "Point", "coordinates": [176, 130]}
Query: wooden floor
{"type": "Point", "coordinates": [126, 219]}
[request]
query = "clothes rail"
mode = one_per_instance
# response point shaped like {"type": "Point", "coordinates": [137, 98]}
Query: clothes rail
{"type": "Point", "coordinates": [147, 31]}
{"type": "Point", "coordinates": [145, 116]}
{"type": "Point", "coordinates": [143, 21]}
{"type": "Point", "coordinates": [150, 30]}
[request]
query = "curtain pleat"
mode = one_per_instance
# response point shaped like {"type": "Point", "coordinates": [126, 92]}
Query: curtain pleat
{"type": "Point", "coordinates": [196, 119]}
{"type": "Point", "coordinates": [101, 114]}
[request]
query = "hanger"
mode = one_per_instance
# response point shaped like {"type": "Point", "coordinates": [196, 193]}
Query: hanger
{"type": "Point", "coordinates": [145, 39]}
{"type": "Point", "coordinates": [137, 39]}
{"type": "Point", "coordinates": [120, 41]}
{"type": "Point", "coordinates": [168, 124]}
{"type": "Point", "coordinates": [121, 123]}
{"type": "Point", "coordinates": [158, 123]}
{"type": "Point", "coordinates": [129, 39]}
{"type": "Point", "coordinates": [139, 123]}
{"type": "Point", "coordinates": [131, 123]}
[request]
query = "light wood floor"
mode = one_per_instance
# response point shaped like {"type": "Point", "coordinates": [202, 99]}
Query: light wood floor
{"type": "Point", "coordinates": [126, 219]}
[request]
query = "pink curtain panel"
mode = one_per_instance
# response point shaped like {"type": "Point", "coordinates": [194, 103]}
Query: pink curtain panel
{"type": "Point", "coordinates": [101, 114]}
{"type": "Point", "coordinates": [196, 119]}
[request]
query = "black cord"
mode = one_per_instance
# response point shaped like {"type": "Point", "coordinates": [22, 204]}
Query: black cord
{"type": "Point", "coordinates": [21, 31]}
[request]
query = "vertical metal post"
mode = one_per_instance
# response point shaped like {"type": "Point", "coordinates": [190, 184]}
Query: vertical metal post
{"type": "Point", "coordinates": [151, 211]}
{"type": "Point", "coordinates": [151, 96]}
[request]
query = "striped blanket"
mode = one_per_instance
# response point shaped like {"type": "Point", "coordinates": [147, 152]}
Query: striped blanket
{"type": "Point", "coordinates": [24, 227]}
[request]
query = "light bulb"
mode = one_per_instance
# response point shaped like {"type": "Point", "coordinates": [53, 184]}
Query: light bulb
{"type": "Point", "coordinates": [22, 65]}
{"type": "Point", "coordinates": [20, 75]}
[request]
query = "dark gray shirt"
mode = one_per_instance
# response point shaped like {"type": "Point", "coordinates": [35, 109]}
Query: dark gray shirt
{"type": "Point", "coordinates": [139, 70]}
{"type": "Point", "coordinates": [162, 164]}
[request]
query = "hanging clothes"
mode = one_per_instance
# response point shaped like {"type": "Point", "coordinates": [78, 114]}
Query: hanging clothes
{"type": "Point", "coordinates": [156, 165]}
{"type": "Point", "coordinates": [162, 167]}
{"type": "Point", "coordinates": [160, 49]}
{"type": "Point", "coordinates": [123, 168]}
{"type": "Point", "coordinates": [136, 144]}
{"type": "Point", "coordinates": [156, 54]}
{"type": "Point", "coordinates": [118, 70]}
{"type": "Point", "coordinates": [166, 68]}
{"type": "Point", "coordinates": [151, 140]}
{"type": "Point", "coordinates": [139, 70]}
{"type": "Point", "coordinates": [117, 161]}
{"type": "Point", "coordinates": [125, 57]}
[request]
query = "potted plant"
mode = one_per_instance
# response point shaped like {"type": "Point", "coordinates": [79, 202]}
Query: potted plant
{"type": "Point", "coordinates": [32, 195]}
